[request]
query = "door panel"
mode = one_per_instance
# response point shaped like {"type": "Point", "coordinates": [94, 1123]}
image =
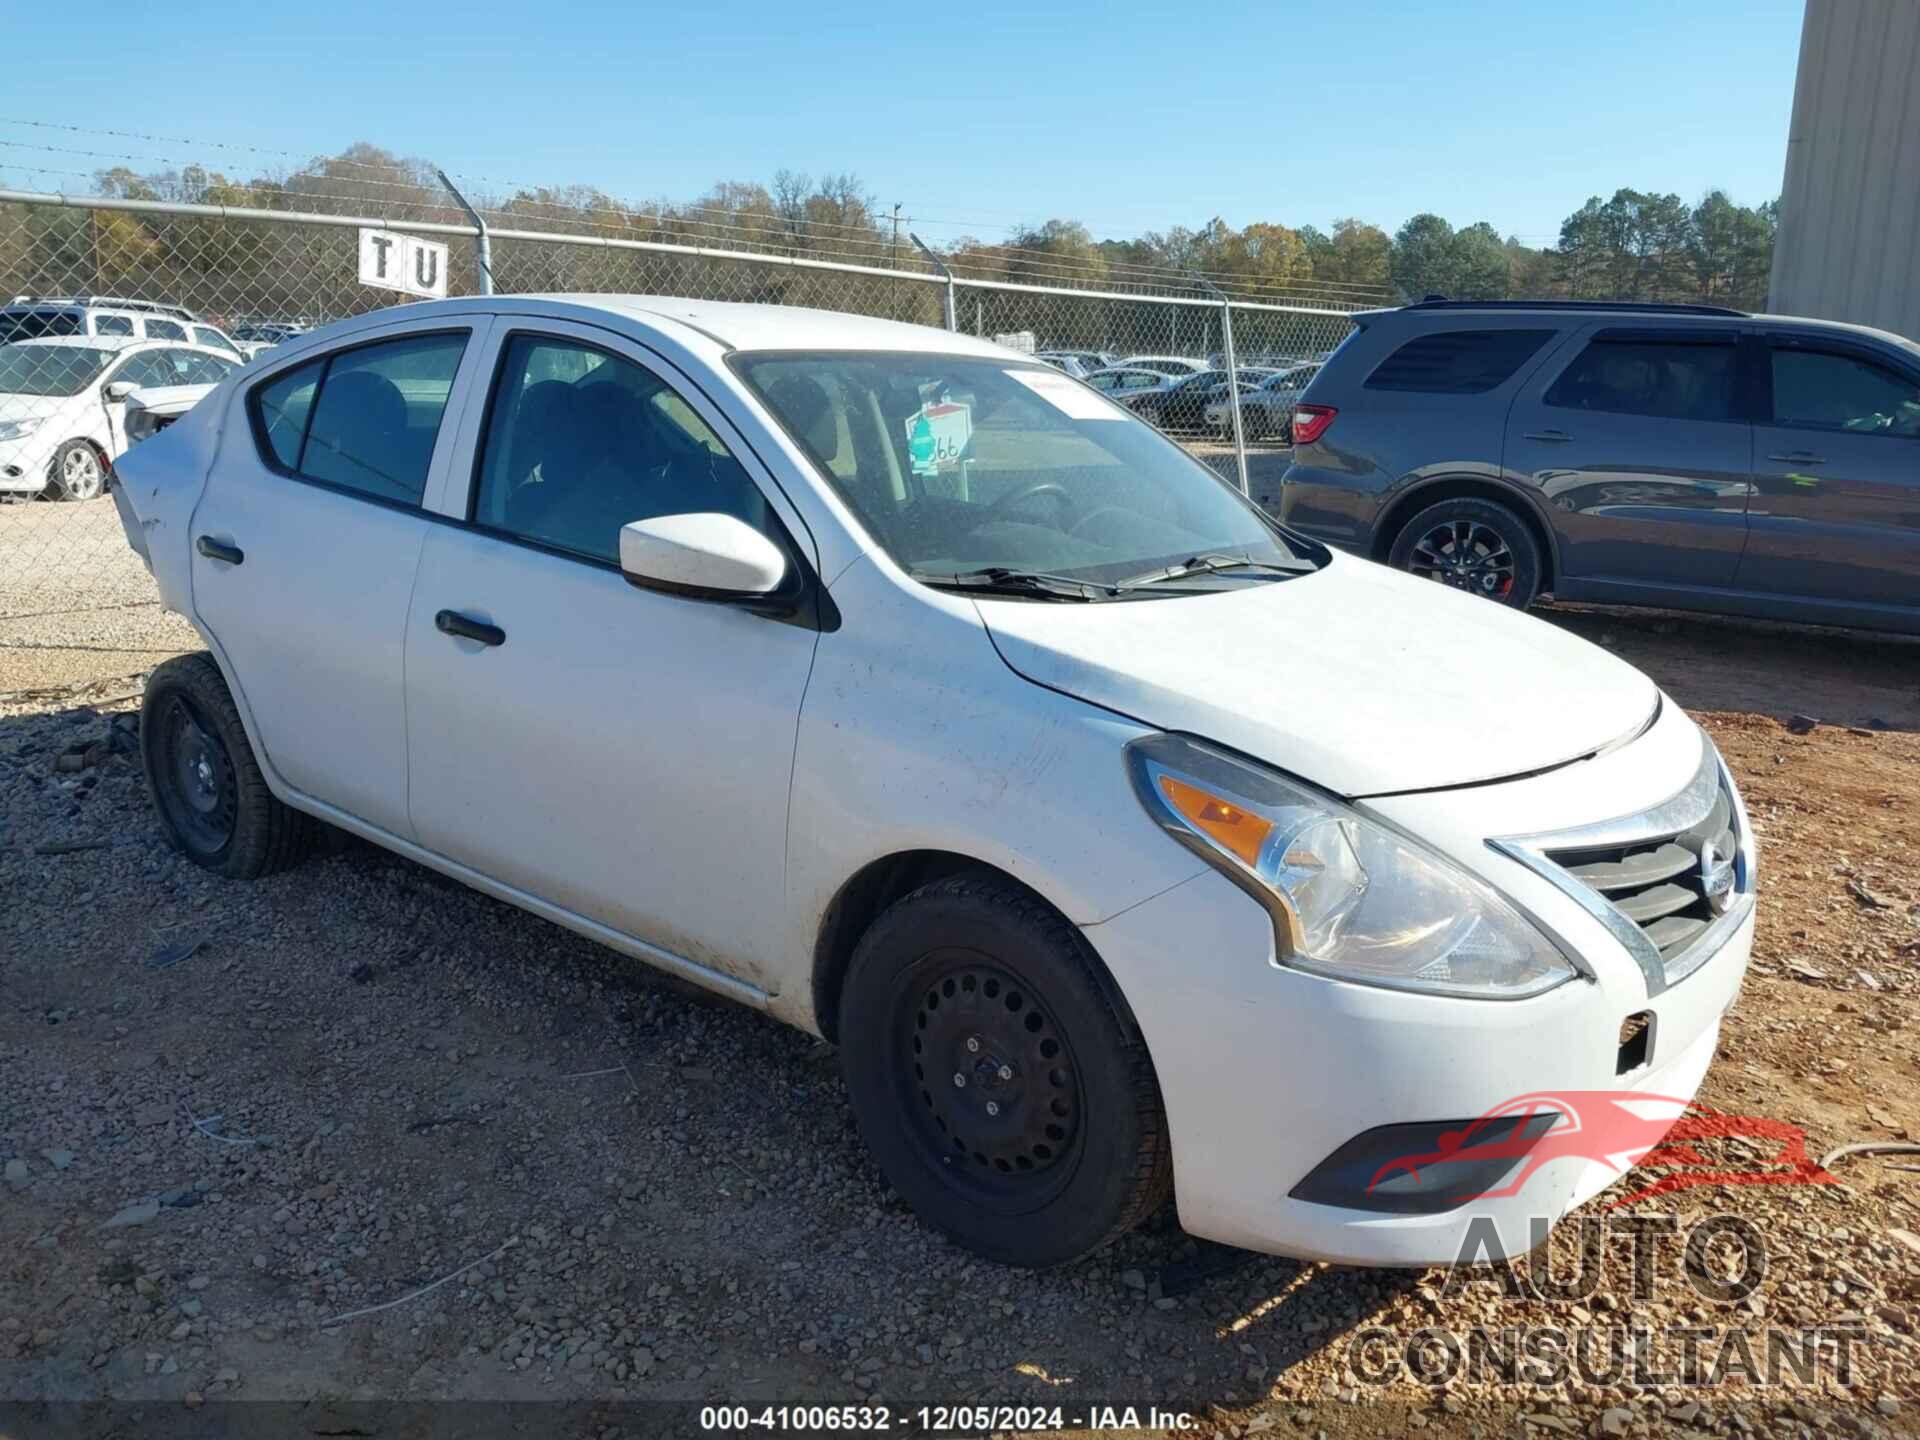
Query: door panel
{"type": "Point", "coordinates": [1633, 446]}
{"type": "Point", "coordinates": [619, 752]}
{"type": "Point", "coordinates": [313, 619]}
{"type": "Point", "coordinates": [1836, 510]}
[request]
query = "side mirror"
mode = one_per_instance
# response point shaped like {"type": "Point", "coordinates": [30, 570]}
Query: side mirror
{"type": "Point", "coordinates": [120, 389]}
{"type": "Point", "coordinates": [707, 556]}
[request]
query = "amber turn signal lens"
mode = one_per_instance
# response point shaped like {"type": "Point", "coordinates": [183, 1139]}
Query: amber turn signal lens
{"type": "Point", "coordinates": [1241, 831]}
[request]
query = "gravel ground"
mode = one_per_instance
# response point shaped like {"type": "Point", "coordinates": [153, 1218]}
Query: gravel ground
{"type": "Point", "coordinates": [232, 1114]}
{"type": "Point", "coordinates": [76, 604]}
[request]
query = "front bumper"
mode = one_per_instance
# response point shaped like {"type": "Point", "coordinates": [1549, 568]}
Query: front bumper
{"type": "Point", "coordinates": [23, 466]}
{"type": "Point", "coordinates": [1266, 1071]}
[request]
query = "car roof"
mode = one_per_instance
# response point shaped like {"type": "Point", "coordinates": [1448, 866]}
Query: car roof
{"type": "Point", "coordinates": [96, 342]}
{"type": "Point", "coordinates": [1667, 316]}
{"type": "Point", "coordinates": [741, 326]}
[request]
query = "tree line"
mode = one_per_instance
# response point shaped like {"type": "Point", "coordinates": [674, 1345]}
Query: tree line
{"type": "Point", "coordinates": [1632, 246]}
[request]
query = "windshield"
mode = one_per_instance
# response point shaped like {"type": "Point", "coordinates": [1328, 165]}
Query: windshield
{"type": "Point", "coordinates": [958, 465]}
{"type": "Point", "coordinates": [29, 369]}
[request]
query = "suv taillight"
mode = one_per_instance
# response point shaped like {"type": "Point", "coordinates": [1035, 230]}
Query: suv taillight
{"type": "Point", "coordinates": [1310, 422]}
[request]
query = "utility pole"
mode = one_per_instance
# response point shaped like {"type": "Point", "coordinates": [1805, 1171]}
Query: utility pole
{"type": "Point", "coordinates": [896, 235]}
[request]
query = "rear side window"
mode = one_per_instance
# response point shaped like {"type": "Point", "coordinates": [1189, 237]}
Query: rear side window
{"type": "Point", "coordinates": [35, 324]}
{"type": "Point", "coordinates": [212, 339]}
{"type": "Point", "coordinates": [113, 325]}
{"type": "Point", "coordinates": [1663, 379]}
{"type": "Point", "coordinates": [1457, 362]}
{"type": "Point", "coordinates": [363, 419]}
{"type": "Point", "coordinates": [165, 330]}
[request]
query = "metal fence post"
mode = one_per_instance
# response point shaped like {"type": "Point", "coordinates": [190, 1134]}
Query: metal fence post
{"type": "Point", "coordinates": [482, 243]}
{"type": "Point", "coordinates": [948, 306]}
{"type": "Point", "coordinates": [1233, 382]}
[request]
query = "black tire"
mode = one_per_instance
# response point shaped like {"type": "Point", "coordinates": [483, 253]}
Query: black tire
{"type": "Point", "coordinates": [1056, 1142]}
{"type": "Point", "coordinates": [213, 802]}
{"type": "Point", "coordinates": [1480, 546]}
{"type": "Point", "coordinates": [77, 472]}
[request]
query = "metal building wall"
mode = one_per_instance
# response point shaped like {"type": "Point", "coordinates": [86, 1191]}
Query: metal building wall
{"type": "Point", "coordinates": [1849, 240]}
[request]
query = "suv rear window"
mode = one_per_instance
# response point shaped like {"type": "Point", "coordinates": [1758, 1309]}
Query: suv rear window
{"type": "Point", "coordinates": [1457, 362]}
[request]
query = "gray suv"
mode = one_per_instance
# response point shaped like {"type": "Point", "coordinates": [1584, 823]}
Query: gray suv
{"type": "Point", "coordinates": [1675, 455]}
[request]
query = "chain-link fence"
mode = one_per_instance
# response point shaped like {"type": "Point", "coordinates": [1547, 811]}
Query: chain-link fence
{"type": "Point", "coordinates": [122, 311]}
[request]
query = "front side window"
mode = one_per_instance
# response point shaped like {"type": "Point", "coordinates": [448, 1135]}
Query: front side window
{"type": "Point", "coordinates": [44, 370]}
{"type": "Point", "coordinates": [959, 465]}
{"type": "Point", "coordinates": [164, 330]}
{"type": "Point", "coordinates": [113, 325]}
{"type": "Point", "coordinates": [364, 419]}
{"type": "Point", "coordinates": [212, 339]}
{"type": "Point", "coordinates": [1820, 390]}
{"type": "Point", "coordinates": [148, 368]}
{"type": "Point", "coordinates": [1457, 362]}
{"type": "Point", "coordinates": [580, 442]}
{"type": "Point", "coordinates": [1666, 380]}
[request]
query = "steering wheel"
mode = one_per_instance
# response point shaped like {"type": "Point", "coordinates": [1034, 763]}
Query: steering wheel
{"type": "Point", "coordinates": [1052, 489]}
{"type": "Point", "coordinates": [1087, 519]}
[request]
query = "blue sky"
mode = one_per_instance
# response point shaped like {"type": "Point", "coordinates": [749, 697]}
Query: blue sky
{"type": "Point", "coordinates": [1126, 116]}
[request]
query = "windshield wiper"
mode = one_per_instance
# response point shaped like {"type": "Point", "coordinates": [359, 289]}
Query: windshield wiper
{"type": "Point", "coordinates": [1000, 580]}
{"type": "Point", "coordinates": [1207, 564]}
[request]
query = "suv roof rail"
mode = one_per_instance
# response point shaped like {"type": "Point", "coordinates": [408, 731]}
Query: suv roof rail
{"type": "Point", "coordinates": [1638, 307]}
{"type": "Point", "coordinates": [111, 302]}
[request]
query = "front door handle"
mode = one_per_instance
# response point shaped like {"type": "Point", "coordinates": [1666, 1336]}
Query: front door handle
{"type": "Point", "coordinates": [452, 622]}
{"type": "Point", "coordinates": [219, 550]}
{"type": "Point", "coordinates": [1799, 457]}
{"type": "Point", "coordinates": [1552, 437]}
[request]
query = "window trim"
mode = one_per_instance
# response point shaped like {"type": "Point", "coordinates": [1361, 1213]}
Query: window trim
{"type": "Point", "coordinates": [1768, 341]}
{"type": "Point", "coordinates": [263, 447]}
{"type": "Point", "coordinates": [802, 600]}
{"type": "Point", "coordinates": [1739, 402]}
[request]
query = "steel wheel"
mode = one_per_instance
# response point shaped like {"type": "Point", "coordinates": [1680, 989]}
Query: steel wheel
{"type": "Point", "coordinates": [78, 471]}
{"type": "Point", "coordinates": [999, 1097]}
{"type": "Point", "coordinates": [1467, 555]}
{"type": "Point", "coordinates": [195, 785]}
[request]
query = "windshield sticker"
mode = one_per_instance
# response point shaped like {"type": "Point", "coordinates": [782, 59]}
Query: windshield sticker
{"type": "Point", "coordinates": [1073, 400]}
{"type": "Point", "coordinates": [939, 436]}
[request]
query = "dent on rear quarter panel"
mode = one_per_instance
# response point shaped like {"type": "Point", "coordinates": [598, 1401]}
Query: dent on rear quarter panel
{"type": "Point", "coordinates": [161, 480]}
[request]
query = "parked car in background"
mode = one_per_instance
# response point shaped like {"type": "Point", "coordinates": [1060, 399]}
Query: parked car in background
{"type": "Point", "coordinates": [1124, 383]}
{"type": "Point", "coordinates": [1067, 364]}
{"type": "Point", "coordinates": [257, 336]}
{"type": "Point", "coordinates": [1166, 364]}
{"type": "Point", "coordinates": [895, 685]}
{"type": "Point", "coordinates": [214, 338]}
{"type": "Point", "coordinates": [31, 317]}
{"type": "Point", "coordinates": [1675, 455]}
{"type": "Point", "coordinates": [1266, 411]}
{"type": "Point", "coordinates": [1182, 405]}
{"type": "Point", "coordinates": [1088, 360]}
{"type": "Point", "coordinates": [63, 405]}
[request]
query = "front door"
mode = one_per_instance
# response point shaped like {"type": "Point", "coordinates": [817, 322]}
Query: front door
{"type": "Point", "coordinates": [1639, 443]}
{"type": "Point", "coordinates": [618, 752]}
{"type": "Point", "coordinates": [306, 541]}
{"type": "Point", "coordinates": [1836, 508]}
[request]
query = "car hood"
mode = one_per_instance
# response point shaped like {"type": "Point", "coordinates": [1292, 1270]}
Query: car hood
{"type": "Point", "coordinates": [1356, 678]}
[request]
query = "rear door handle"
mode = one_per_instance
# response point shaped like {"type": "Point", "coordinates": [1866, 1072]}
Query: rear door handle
{"type": "Point", "coordinates": [1552, 437]}
{"type": "Point", "coordinates": [1800, 457]}
{"type": "Point", "coordinates": [452, 622]}
{"type": "Point", "coordinates": [219, 550]}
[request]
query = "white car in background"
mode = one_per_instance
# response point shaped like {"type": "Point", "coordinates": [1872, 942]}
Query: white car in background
{"type": "Point", "coordinates": [1176, 366]}
{"type": "Point", "coordinates": [1267, 409]}
{"type": "Point", "coordinates": [894, 684]}
{"type": "Point", "coordinates": [63, 405]}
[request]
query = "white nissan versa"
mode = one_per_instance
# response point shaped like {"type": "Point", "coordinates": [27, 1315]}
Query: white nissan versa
{"type": "Point", "coordinates": [909, 690]}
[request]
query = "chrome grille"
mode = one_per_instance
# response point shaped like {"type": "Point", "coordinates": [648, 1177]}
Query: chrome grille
{"type": "Point", "coordinates": [1660, 883]}
{"type": "Point", "coordinates": [1670, 882]}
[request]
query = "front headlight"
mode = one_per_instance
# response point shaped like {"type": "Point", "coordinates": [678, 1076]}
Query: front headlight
{"type": "Point", "coordinates": [18, 429]}
{"type": "Point", "coordinates": [1351, 898]}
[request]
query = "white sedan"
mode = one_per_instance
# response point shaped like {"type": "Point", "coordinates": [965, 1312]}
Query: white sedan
{"type": "Point", "coordinates": [894, 684]}
{"type": "Point", "coordinates": [63, 405]}
{"type": "Point", "coordinates": [1267, 409]}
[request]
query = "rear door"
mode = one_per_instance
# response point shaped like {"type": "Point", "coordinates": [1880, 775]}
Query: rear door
{"type": "Point", "coordinates": [305, 547]}
{"type": "Point", "coordinates": [1636, 440]}
{"type": "Point", "coordinates": [1836, 509]}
